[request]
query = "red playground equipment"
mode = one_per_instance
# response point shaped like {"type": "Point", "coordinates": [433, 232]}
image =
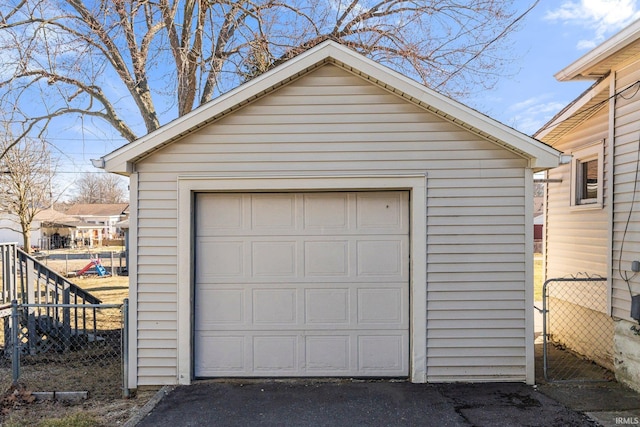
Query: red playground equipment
{"type": "Point", "coordinates": [95, 262]}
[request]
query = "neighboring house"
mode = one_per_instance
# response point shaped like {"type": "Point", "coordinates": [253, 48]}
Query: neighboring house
{"type": "Point", "coordinates": [10, 230]}
{"type": "Point", "coordinates": [103, 216]}
{"type": "Point", "coordinates": [331, 217]}
{"type": "Point", "coordinates": [56, 229]}
{"type": "Point", "coordinates": [538, 232]}
{"type": "Point", "coordinates": [59, 230]}
{"type": "Point", "coordinates": [538, 217]}
{"type": "Point", "coordinates": [80, 225]}
{"type": "Point", "coordinates": [592, 221]}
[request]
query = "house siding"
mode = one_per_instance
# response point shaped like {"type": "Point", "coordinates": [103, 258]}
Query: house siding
{"type": "Point", "coordinates": [331, 122]}
{"type": "Point", "coordinates": [625, 158]}
{"type": "Point", "coordinates": [578, 247]}
{"type": "Point", "coordinates": [580, 237]}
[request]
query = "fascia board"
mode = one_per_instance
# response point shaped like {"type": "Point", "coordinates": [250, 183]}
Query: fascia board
{"type": "Point", "coordinates": [575, 107]}
{"type": "Point", "coordinates": [575, 70]}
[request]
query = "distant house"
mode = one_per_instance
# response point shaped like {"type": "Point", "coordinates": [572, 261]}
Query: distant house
{"type": "Point", "coordinates": [592, 215]}
{"type": "Point", "coordinates": [103, 218]}
{"type": "Point", "coordinates": [56, 229]}
{"type": "Point", "coordinates": [10, 230]}
{"type": "Point", "coordinates": [331, 217]}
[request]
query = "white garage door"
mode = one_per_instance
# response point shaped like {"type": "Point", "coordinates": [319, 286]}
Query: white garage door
{"type": "Point", "coordinates": [312, 284]}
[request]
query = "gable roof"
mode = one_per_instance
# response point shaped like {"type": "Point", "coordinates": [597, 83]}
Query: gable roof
{"type": "Point", "coordinates": [540, 155]}
{"type": "Point", "coordinates": [52, 215]}
{"type": "Point", "coordinates": [97, 209]}
{"type": "Point", "coordinates": [594, 65]}
{"type": "Point", "coordinates": [598, 62]}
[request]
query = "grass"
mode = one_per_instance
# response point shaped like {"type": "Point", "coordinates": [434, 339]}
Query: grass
{"type": "Point", "coordinates": [110, 290]}
{"type": "Point", "coordinates": [538, 277]}
{"type": "Point", "coordinates": [78, 419]}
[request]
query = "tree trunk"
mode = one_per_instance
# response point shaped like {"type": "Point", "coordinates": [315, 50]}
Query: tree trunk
{"type": "Point", "coordinates": [26, 237]}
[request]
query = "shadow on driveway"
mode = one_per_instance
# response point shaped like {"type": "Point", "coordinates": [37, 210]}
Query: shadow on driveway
{"type": "Point", "coordinates": [358, 403]}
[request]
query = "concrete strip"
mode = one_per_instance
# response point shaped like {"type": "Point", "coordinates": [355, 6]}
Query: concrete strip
{"type": "Point", "coordinates": [61, 396]}
{"type": "Point", "coordinates": [148, 407]}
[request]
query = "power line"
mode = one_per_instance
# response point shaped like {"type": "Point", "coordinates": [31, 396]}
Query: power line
{"type": "Point", "coordinates": [594, 107]}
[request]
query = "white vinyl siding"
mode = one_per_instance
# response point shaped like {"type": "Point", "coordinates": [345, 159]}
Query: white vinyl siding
{"type": "Point", "coordinates": [330, 122]}
{"type": "Point", "coordinates": [579, 236]}
{"type": "Point", "coordinates": [625, 158]}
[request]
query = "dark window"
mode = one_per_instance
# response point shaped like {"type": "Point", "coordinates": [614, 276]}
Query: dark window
{"type": "Point", "coordinates": [588, 185]}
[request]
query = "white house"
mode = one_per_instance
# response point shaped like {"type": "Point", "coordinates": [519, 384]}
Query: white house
{"type": "Point", "coordinates": [592, 224]}
{"type": "Point", "coordinates": [331, 218]}
{"type": "Point", "coordinates": [104, 218]}
{"type": "Point", "coordinates": [10, 230]}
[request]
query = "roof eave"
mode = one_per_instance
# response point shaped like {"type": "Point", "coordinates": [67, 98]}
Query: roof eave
{"type": "Point", "coordinates": [585, 102]}
{"type": "Point", "coordinates": [579, 69]}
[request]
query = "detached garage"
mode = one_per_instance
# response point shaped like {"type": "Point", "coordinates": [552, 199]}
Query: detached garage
{"type": "Point", "coordinates": [331, 218]}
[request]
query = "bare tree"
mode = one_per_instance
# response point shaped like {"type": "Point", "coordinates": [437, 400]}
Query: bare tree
{"type": "Point", "coordinates": [138, 63]}
{"type": "Point", "coordinates": [99, 188]}
{"type": "Point", "coordinates": [26, 184]}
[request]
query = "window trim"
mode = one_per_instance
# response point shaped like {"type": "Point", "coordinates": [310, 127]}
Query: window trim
{"type": "Point", "coordinates": [580, 156]}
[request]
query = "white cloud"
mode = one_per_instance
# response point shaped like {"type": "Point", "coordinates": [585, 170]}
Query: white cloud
{"type": "Point", "coordinates": [602, 17]}
{"type": "Point", "coordinates": [531, 114]}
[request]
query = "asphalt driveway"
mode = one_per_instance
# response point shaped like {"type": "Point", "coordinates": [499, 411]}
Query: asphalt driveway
{"type": "Point", "coordinates": [358, 403]}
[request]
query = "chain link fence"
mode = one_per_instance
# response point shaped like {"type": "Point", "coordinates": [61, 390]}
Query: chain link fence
{"type": "Point", "coordinates": [577, 331]}
{"type": "Point", "coordinates": [65, 347]}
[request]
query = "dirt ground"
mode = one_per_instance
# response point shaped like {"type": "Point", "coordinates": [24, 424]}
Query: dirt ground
{"type": "Point", "coordinates": [20, 409]}
{"type": "Point", "coordinates": [105, 405]}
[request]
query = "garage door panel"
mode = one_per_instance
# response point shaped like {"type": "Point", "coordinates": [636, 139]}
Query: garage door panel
{"type": "Point", "coordinates": [382, 306]}
{"type": "Point", "coordinates": [224, 212]}
{"type": "Point", "coordinates": [328, 354]}
{"type": "Point", "coordinates": [274, 258]}
{"type": "Point", "coordinates": [220, 306]}
{"type": "Point", "coordinates": [302, 305]}
{"type": "Point", "coordinates": [217, 258]}
{"type": "Point", "coordinates": [328, 306]}
{"type": "Point", "coordinates": [275, 306]}
{"type": "Point", "coordinates": [326, 258]}
{"type": "Point", "coordinates": [273, 212]}
{"type": "Point", "coordinates": [313, 354]}
{"type": "Point", "coordinates": [380, 353]}
{"type": "Point", "coordinates": [386, 211]}
{"type": "Point", "coordinates": [381, 258]}
{"type": "Point", "coordinates": [316, 285]}
{"type": "Point", "coordinates": [224, 354]}
{"type": "Point", "coordinates": [324, 212]}
{"type": "Point", "coordinates": [276, 354]}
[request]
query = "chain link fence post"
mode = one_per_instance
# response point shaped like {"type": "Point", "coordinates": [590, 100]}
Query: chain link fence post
{"type": "Point", "coordinates": [125, 348]}
{"type": "Point", "coordinates": [15, 358]}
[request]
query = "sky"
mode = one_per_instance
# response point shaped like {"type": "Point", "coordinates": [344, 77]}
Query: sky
{"type": "Point", "coordinates": [551, 37]}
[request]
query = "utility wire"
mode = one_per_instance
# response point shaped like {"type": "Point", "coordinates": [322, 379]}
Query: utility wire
{"type": "Point", "coordinates": [595, 107]}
